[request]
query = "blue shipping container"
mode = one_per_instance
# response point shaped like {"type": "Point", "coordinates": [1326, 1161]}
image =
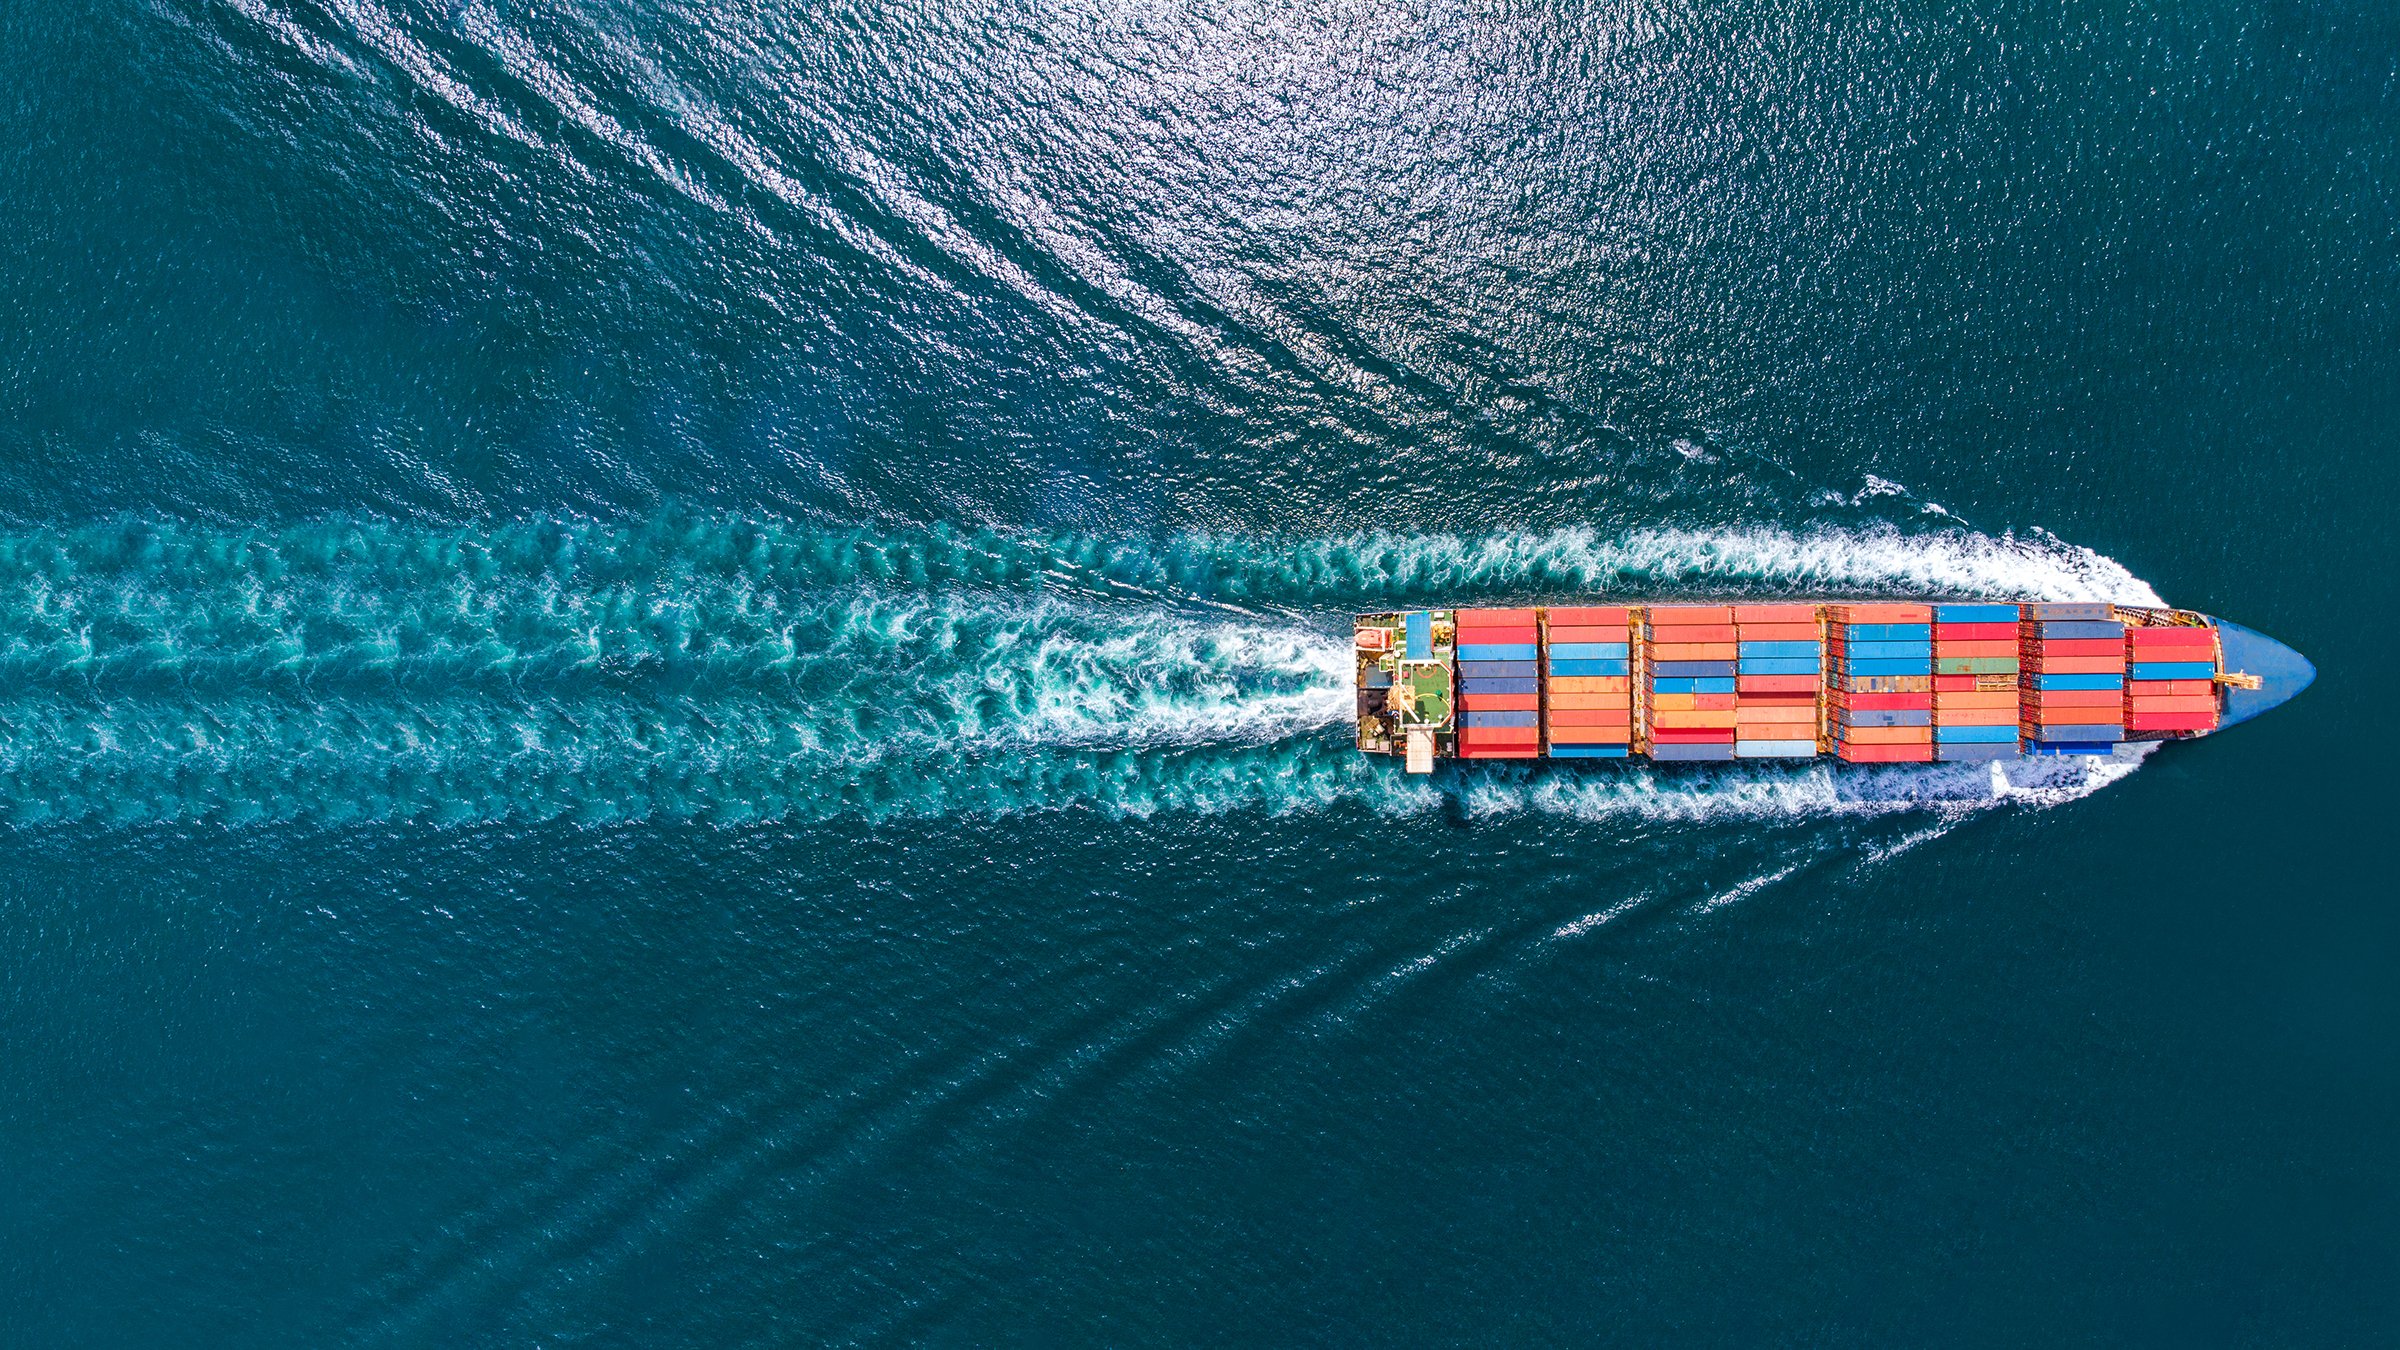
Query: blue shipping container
{"type": "Point", "coordinates": [1613, 651]}
{"type": "Point", "coordinates": [1712, 750]}
{"type": "Point", "coordinates": [1774, 749]}
{"type": "Point", "coordinates": [1856, 650]}
{"type": "Point", "coordinates": [1966, 734]}
{"type": "Point", "coordinates": [1617, 667]}
{"type": "Point", "coordinates": [1678, 685]}
{"type": "Point", "coordinates": [1558, 751]}
{"type": "Point", "coordinates": [1922, 665]}
{"type": "Point", "coordinates": [1883, 717]}
{"type": "Point", "coordinates": [1885, 632]}
{"type": "Point", "coordinates": [1779, 649]}
{"type": "Point", "coordinates": [1469, 670]}
{"type": "Point", "coordinates": [1499, 719]}
{"type": "Point", "coordinates": [2083, 629]}
{"type": "Point", "coordinates": [1974, 613]}
{"type": "Point", "coordinates": [1973, 752]}
{"type": "Point", "coordinates": [2174, 670]}
{"type": "Point", "coordinates": [2069, 748]}
{"type": "Point", "coordinates": [2085, 683]}
{"type": "Point", "coordinates": [1693, 668]}
{"type": "Point", "coordinates": [1497, 651]}
{"type": "Point", "coordinates": [2085, 733]}
{"type": "Point", "coordinates": [1775, 665]}
{"type": "Point", "coordinates": [1508, 686]}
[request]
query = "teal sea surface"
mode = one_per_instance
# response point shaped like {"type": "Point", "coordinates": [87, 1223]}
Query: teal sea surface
{"type": "Point", "coordinates": [677, 674]}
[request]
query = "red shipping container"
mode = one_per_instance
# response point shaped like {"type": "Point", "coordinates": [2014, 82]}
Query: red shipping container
{"type": "Point", "coordinates": [1498, 735]}
{"type": "Point", "coordinates": [1878, 702]}
{"type": "Point", "coordinates": [2171, 721]}
{"type": "Point", "coordinates": [1467, 636]}
{"type": "Point", "coordinates": [2170, 703]}
{"type": "Point", "coordinates": [1976, 717]}
{"type": "Point", "coordinates": [2172, 637]}
{"type": "Point", "coordinates": [2084, 665]}
{"type": "Point", "coordinates": [1561, 633]}
{"type": "Point", "coordinates": [1777, 684]}
{"type": "Point", "coordinates": [1885, 754]}
{"type": "Point", "coordinates": [1596, 616]}
{"type": "Point", "coordinates": [1691, 735]}
{"type": "Point", "coordinates": [1691, 614]}
{"type": "Point", "coordinates": [2074, 697]}
{"type": "Point", "coordinates": [1591, 717]}
{"type": "Point", "coordinates": [1474, 702]}
{"type": "Point", "coordinates": [2049, 647]}
{"type": "Point", "coordinates": [1774, 700]}
{"type": "Point", "coordinates": [1493, 618]}
{"type": "Point", "coordinates": [1500, 752]}
{"type": "Point", "coordinates": [1748, 614]}
{"type": "Point", "coordinates": [1974, 632]}
{"type": "Point", "coordinates": [1779, 632]}
{"type": "Point", "coordinates": [2171, 688]}
{"type": "Point", "coordinates": [1883, 613]}
{"type": "Point", "coordinates": [1693, 632]}
{"type": "Point", "coordinates": [1694, 651]}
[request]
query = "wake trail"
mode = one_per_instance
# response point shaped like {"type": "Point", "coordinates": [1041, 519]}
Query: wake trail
{"type": "Point", "coordinates": [735, 670]}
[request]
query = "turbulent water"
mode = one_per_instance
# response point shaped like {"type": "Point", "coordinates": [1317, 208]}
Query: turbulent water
{"type": "Point", "coordinates": [677, 675]}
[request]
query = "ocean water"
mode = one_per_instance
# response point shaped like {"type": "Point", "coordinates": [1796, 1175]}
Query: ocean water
{"type": "Point", "coordinates": [675, 675]}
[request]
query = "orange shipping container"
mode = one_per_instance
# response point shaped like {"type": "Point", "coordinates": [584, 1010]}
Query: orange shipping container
{"type": "Point", "coordinates": [1598, 616]}
{"type": "Point", "coordinates": [1695, 632]}
{"type": "Point", "coordinates": [1883, 613]}
{"type": "Point", "coordinates": [1590, 684]}
{"type": "Point", "coordinates": [1493, 618]}
{"type": "Point", "coordinates": [1750, 714]}
{"type": "Point", "coordinates": [1670, 717]}
{"type": "Point", "coordinates": [1691, 614]}
{"type": "Point", "coordinates": [1695, 651]}
{"type": "Point", "coordinates": [1888, 735]}
{"type": "Point", "coordinates": [1591, 717]}
{"type": "Point", "coordinates": [1975, 648]}
{"type": "Point", "coordinates": [1779, 632]}
{"type": "Point", "coordinates": [1565, 633]}
{"type": "Point", "coordinates": [1966, 698]}
{"type": "Point", "coordinates": [1748, 614]}
{"type": "Point", "coordinates": [1591, 700]}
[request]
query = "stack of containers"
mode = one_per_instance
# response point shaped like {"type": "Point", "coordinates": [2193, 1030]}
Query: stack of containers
{"type": "Point", "coordinates": [1780, 667]}
{"type": "Point", "coordinates": [1880, 694]}
{"type": "Point", "coordinates": [1590, 691]}
{"type": "Point", "coordinates": [1499, 685]}
{"type": "Point", "coordinates": [1975, 682]}
{"type": "Point", "coordinates": [2073, 702]}
{"type": "Point", "coordinates": [2171, 679]}
{"type": "Point", "coordinates": [1691, 652]}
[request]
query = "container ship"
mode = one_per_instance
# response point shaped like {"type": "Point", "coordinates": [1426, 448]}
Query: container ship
{"type": "Point", "coordinates": [1862, 682]}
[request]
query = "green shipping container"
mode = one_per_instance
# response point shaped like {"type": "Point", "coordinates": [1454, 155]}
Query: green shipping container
{"type": "Point", "coordinates": [1975, 665]}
